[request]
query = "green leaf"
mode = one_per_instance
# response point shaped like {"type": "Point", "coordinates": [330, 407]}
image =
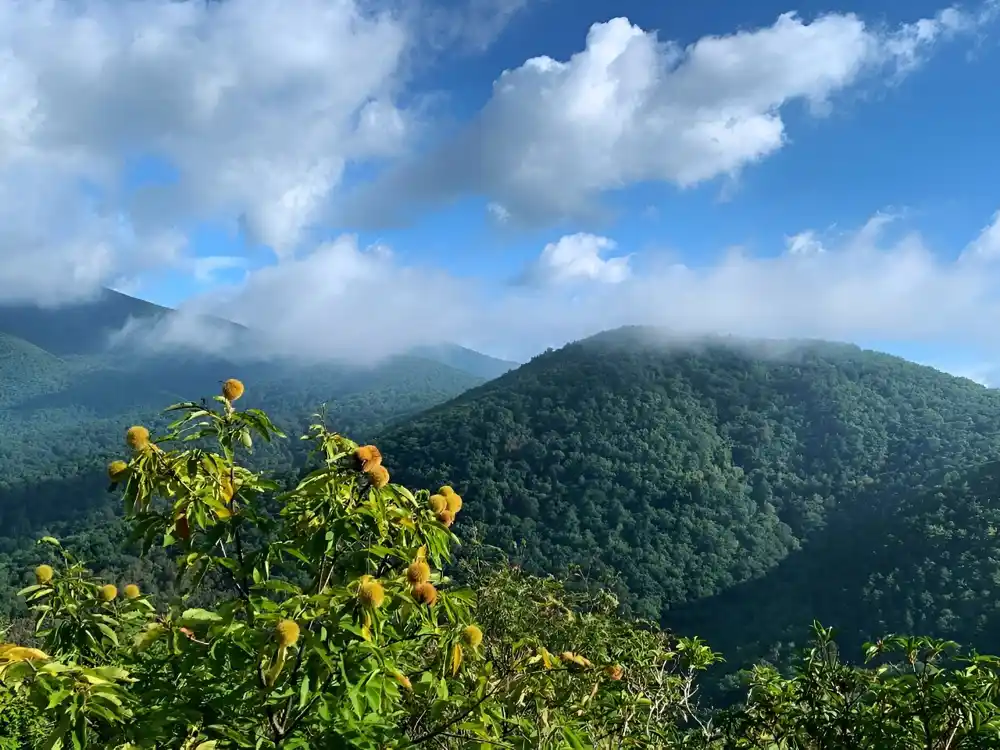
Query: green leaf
{"type": "Point", "coordinates": [304, 691]}
{"type": "Point", "coordinates": [198, 616]}
{"type": "Point", "coordinates": [110, 634]}
{"type": "Point", "coordinates": [112, 673]}
{"type": "Point", "coordinates": [57, 697]}
{"type": "Point", "coordinates": [573, 739]}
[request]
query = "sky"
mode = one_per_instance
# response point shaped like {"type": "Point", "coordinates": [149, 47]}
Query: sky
{"type": "Point", "coordinates": [357, 177]}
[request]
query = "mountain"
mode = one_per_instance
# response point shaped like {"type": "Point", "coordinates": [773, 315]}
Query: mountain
{"type": "Point", "coordinates": [707, 483]}
{"type": "Point", "coordinates": [676, 471]}
{"type": "Point", "coordinates": [86, 328]}
{"type": "Point", "coordinates": [466, 360]}
{"type": "Point", "coordinates": [78, 328]}
{"type": "Point", "coordinates": [67, 399]}
{"type": "Point", "coordinates": [67, 395]}
{"type": "Point", "coordinates": [925, 561]}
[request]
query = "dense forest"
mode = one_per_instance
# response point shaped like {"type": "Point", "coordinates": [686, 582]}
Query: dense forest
{"type": "Point", "coordinates": [732, 481]}
{"type": "Point", "coordinates": [707, 483]}
{"type": "Point", "coordinates": [327, 613]}
{"type": "Point", "coordinates": [66, 394]}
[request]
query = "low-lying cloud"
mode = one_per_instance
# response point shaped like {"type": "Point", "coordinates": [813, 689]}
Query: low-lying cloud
{"type": "Point", "coordinates": [347, 301]}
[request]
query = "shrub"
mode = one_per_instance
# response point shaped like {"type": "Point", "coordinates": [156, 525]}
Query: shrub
{"type": "Point", "coordinates": [338, 627]}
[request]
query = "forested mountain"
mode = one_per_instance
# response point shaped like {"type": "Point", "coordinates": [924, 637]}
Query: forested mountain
{"type": "Point", "coordinates": [725, 481]}
{"type": "Point", "coordinates": [65, 391]}
{"type": "Point", "coordinates": [66, 398]}
{"type": "Point", "coordinates": [342, 622]}
{"type": "Point", "coordinates": [689, 470]}
{"type": "Point", "coordinates": [926, 561]}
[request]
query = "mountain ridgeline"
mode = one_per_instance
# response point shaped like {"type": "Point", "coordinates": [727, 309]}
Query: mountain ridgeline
{"type": "Point", "coordinates": [676, 472]}
{"type": "Point", "coordinates": [67, 396]}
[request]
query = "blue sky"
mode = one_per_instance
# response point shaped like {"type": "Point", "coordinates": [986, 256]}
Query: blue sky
{"type": "Point", "coordinates": [721, 167]}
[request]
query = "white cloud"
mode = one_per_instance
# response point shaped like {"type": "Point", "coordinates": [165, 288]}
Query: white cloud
{"type": "Point", "coordinates": [577, 257]}
{"type": "Point", "coordinates": [347, 301]}
{"type": "Point", "coordinates": [258, 104]}
{"type": "Point", "coordinates": [987, 244]}
{"type": "Point", "coordinates": [340, 300]}
{"type": "Point", "coordinates": [630, 108]}
{"type": "Point", "coordinates": [804, 243]}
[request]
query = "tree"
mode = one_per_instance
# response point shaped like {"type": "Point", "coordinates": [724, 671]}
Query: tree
{"type": "Point", "coordinates": [329, 624]}
{"type": "Point", "coordinates": [913, 694]}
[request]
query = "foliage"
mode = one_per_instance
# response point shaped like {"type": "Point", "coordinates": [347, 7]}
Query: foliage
{"type": "Point", "coordinates": [338, 629]}
{"type": "Point", "coordinates": [917, 693]}
{"type": "Point", "coordinates": [724, 481]}
{"type": "Point", "coordinates": [66, 396]}
{"type": "Point", "coordinates": [655, 670]}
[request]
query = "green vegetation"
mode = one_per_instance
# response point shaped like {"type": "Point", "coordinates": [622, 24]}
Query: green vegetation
{"type": "Point", "coordinates": [66, 397]}
{"type": "Point", "coordinates": [333, 624]}
{"type": "Point", "coordinates": [733, 482]}
{"type": "Point", "coordinates": [734, 490]}
{"type": "Point", "coordinates": [925, 562]}
{"type": "Point", "coordinates": [337, 629]}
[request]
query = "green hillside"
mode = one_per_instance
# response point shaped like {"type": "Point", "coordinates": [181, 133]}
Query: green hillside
{"type": "Point", "coordinates": [28, 371]}
{"type": "Point", "coordinates": [66, 395]}
{"type": "Point", "coordinates": [734, 491]}
{"type": "Point", "coordinates": [925, 561]}
{"type": "Point", "coordinates": [687, 471]}
{"type": "Point", "coordinates": [341, 621]}
{"type": "Point", "coordinates": [761, 483]}
{"type": "Point", "coordinates": [66, 400]}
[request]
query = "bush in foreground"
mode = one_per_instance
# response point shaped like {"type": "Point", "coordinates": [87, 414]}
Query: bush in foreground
{"type": "Point", "coordinates": [337, 627]}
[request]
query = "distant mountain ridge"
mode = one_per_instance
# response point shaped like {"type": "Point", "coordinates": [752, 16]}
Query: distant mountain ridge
{"type": "Point", "coordinates": [467, 360]}
{"type": "Point", "coordinates": [87, 328]}
{"type": "Point", "coordinates": [78, 328]}
{"type": "Point", "coordinates": [67, 397]}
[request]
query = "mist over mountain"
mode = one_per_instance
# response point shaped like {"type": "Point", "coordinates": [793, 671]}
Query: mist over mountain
{"type": "Point", "coordinates": [677, 472]}
{"type": "Point", "coordinates": [116, 325]}
{"type": "Point", "coordinates": [704, 480]}
{"type": "Point", "coordinates": [72, 384]}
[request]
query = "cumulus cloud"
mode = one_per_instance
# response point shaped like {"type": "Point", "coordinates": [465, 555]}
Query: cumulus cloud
{"type": "Point", "coordinates": [630, 107]}
{"type": "Point", "coordinates": [577, 257]}
{"type": "Point", "coordinates": [257, 105]}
